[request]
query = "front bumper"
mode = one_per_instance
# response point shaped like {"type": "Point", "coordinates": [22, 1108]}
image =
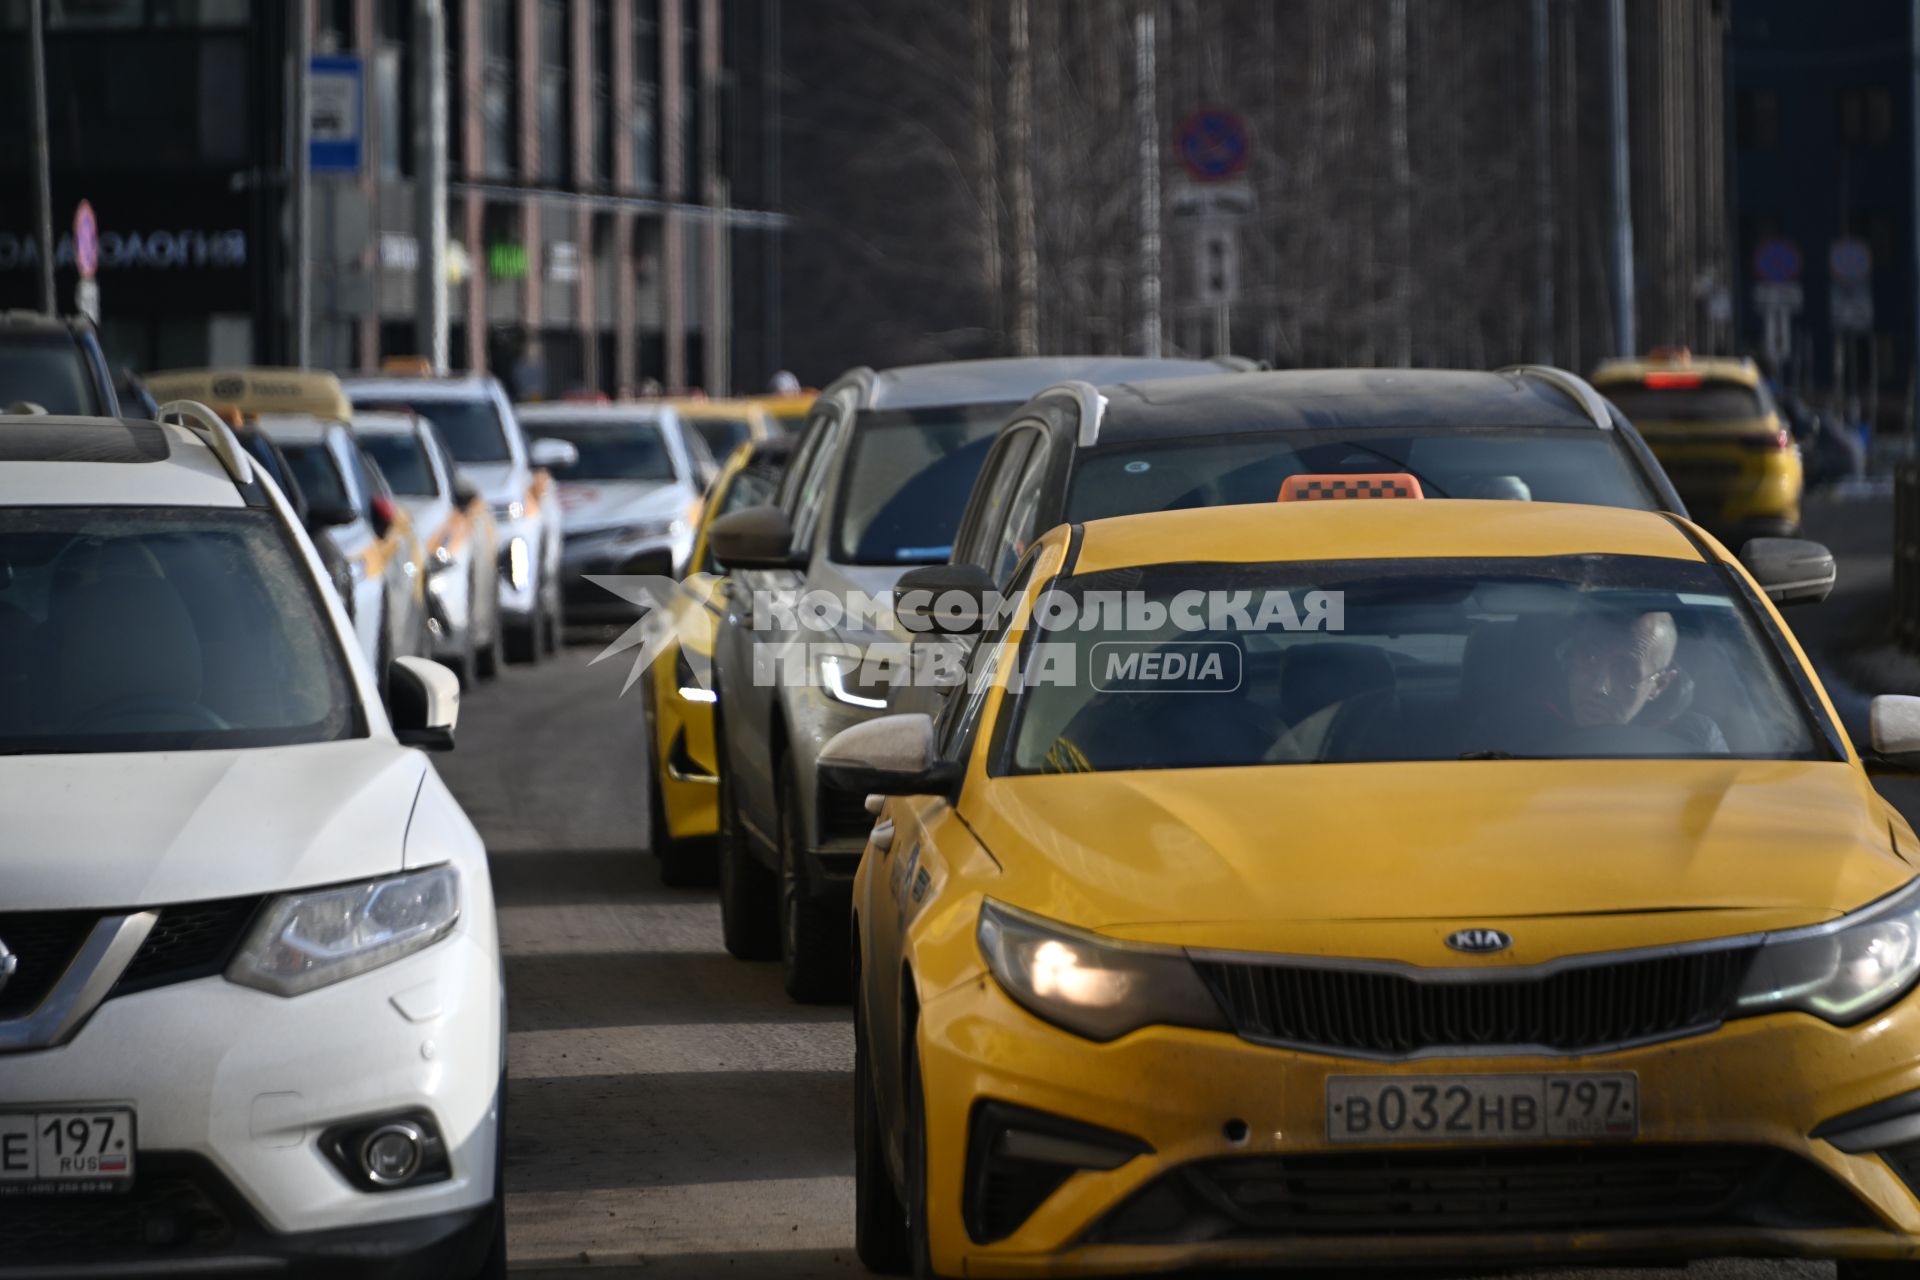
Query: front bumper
{"type": "Point", "coordinates": [241, 1085]}
{"type": "Point", "coordinates": [1205, 1101]}
{"type": "Point", "coordinates": [685, 758]}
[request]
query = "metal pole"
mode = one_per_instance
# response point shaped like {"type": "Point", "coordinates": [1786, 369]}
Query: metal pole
{"type": "Point", "coordinates": [1543, 240]}
{"type": "Point", "coordinates": [430, 181]}
{"type": "Point", "coordinates": [301, 187]}
{"type": "Point", "coordinates": [1913, 373]}
{"type": "Point", "coordinates": [1623, 306]}
{"type": "Point", "coordinates": [42, 184]}
{"type": "Point", "coordinates": [1145, 73]}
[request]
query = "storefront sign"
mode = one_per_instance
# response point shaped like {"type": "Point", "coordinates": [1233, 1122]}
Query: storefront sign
{"type": "Point", "coordinates": [507, 261]}
{"type": "Point", "coordinates": [135, 250]}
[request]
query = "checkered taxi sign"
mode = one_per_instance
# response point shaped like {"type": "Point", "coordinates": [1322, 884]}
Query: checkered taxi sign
{"type": "Point", "coordinates": [1376, 484]}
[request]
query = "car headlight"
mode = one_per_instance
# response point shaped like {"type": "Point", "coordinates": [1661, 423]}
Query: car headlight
{"type": "Point", "coordinates": [440, 561]}
{"type": "Point", "coordinates": [837, 673]}
{"type": "Point", "coordinates": [1096, 987]}
{"type": "Point", "coordinates": [304, 941]}
{"type": "Point", "coordinates": [692, 687]}
{"type": "Point", "coordinates": [1842, 972]}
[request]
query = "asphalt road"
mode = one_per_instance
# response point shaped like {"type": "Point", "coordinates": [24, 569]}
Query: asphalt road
{"type": "Point", "coordinates": [670, 1113]}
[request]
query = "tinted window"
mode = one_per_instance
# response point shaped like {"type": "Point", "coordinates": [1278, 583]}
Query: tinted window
{"type": "Point", "coordinates": [148, 629]}
{"type": "Point", "coordinates": [471, 428]}
{"type": "Point", "coordinates": [612, 450]}
{"type": "Point", "coordinates": [907, 477]}
{"type": "Point", "coordinates": [49, 371]}
{"type": "Point", "coordinates": [722, 435]}
{"type": "Point", "coordinates": [1566, 657]}
{"type": "Point", "coordinates": [752, 487]}
{"type": "Point", "coordinates": [1547, 465]}
{"type": "Point", "coordinates": [315, 471]}
{"type": "Point", "coordinates": [403, 462]}
{"type": "Point", "coordinates": [1704, 402]}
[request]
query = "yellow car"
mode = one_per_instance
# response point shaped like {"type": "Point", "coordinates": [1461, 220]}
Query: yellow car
{"type": "Point", "coordinates": [1718, 434]}
{"type": "Point", "coordinates": [788, 409]}
{"type": "Point", "coordinates": [1383, 882]}
{"type": "Point", "coordinates": [677, 690]}
{"type": "Point", "coordinates": [724, 425]}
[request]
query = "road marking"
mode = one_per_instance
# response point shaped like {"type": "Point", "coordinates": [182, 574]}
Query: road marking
{"type": "Point", "coordinates": [679, 1049]}
{"type": "Point", "coordinates": [628, 1224]}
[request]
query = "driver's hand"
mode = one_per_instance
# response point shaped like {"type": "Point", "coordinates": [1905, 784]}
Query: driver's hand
{"type": "Point", "coordinates": [1064, 757]}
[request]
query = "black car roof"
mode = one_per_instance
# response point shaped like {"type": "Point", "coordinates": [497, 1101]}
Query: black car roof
{"type": "Point", "coordinates": [1307, 399]}
{"type": "Point", "coordinates": [47, 438]}
{"type": "Point", "coordinates": [37, 323]}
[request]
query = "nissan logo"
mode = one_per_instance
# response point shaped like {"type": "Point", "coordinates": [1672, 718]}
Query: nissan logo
{"type": "Point", "coordinates": [8, 963]}
{"type": "Point", "coordinates": [1479, 942]}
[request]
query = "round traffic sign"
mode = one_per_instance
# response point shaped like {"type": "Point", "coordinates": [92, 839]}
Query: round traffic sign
{"type": "Point", "coordinates": [1851, 261]}
{"type": "Point", "coordinates": [1777, 260]}
{"type": "Point", "coordinates": [1213, 144]}
{"type": "Point", "coordinates": [86, 240]}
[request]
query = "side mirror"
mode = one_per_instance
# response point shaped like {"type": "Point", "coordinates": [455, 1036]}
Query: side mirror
{"type": "Point", "coordinates": [1789, 570]}
{"type": "Point", "coordinates": [1893, 730]}
{"type": "Point", "coordinates": [889, 756]}
{"type": "Point", "coordinates": [465, 491]}
{"type": "Point", "coordinates": [753, 538]}
{"type": "Point", "coordinates": [944, 599]}
{"type": "Point", "coordinates": [553, 455]}
{"type": "Point", "coordinates": [323, 515]}
{"type": "Point", "coordinates": [423, 701]}
{"type": "Point", "coordinates": [381, 514]}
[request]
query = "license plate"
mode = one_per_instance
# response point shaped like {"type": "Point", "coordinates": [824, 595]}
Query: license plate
{"type": "Point", "coordinates": [1504, 1108]}
{"type": "Point", "coordinates": [70, 1150]}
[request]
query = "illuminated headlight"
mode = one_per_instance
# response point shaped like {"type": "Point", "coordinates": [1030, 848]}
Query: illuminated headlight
{"type": "Point", "coordinates": [440, 561]}
{"type": "Point", "coordinates": [304, 941]}
{"type": "Point", "coordinates": [1092, 986]}
{"type": "Point", "coordinates": [517, 567]}
{"type": "Point", "coordinates": [1842, 972]}
{"type": "Point", "coordinates": [692, 687]}
{"type": "Point", "coordinates": [836, 674]}
{"type": "Point", "coordinates": [510, 510]}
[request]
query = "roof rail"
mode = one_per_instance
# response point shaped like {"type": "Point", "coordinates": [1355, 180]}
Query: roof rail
{"type": "Point", "coordinates": [220, 438]}
{"type": "Point", "coordinates": [862, 378]}
{"type": "Point", "coordinates": [1571, 385]}
{"type": "Point", "coordinates": [1240, 364]}
{"type": "Point", "coordinates": [1087, 400]}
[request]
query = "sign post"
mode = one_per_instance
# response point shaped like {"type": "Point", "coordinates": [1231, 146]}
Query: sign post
{"type": "Point", "coordinates": [86, 256]}
{"type": "Point", "coordinates": [1776, 265]}
{"type": "Point", "coordinates": [1215, 148]}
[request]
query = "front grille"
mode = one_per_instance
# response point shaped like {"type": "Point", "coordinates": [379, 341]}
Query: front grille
{"type": "Point", "coordinates": [168, 1210]}
{"type": "Point", "coordinates": [43, 943]}
{"type": "Point", "coordinates": [191, 940]}
{"type": "Point", "coordinates": [1390, 1015]}
{"type": "Point", "coordinates": [1458, 1192]}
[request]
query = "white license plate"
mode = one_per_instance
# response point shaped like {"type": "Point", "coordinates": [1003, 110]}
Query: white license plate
{"type": "Point", "coordinates": [1503, 1108]}
{"type": "Point", "coordinates": [73, 1149]}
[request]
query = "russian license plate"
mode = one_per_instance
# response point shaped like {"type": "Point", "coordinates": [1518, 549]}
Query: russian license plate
{"type": "Point", "coordinates": [1503, 1108]}
{"type": "Point", "coordinates": [70, 1150]}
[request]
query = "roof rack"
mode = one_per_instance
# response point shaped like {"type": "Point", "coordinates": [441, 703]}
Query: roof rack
{"type": "Point", "coordinates": [1571, 385]}
{"type": "Point", "coordinates": [220, 438]}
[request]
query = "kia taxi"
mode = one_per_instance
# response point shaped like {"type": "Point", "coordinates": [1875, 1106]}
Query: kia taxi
{"type": "Point", "coordinates": [1718, 434]}
{"type": "Point", "coordinates": [1385, 882]}
{"type": "Point", "coordinates": [678, 693]}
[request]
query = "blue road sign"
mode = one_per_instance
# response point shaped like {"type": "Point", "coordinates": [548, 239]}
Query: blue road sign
{"type": "Point", "coordinates": [1777, 261]}
{"type": "Point", "coordinates": [1213, 144]}
{"type": "Point", "coordinates": [337, 121]}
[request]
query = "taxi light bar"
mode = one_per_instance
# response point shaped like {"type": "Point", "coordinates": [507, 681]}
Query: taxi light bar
{"type": "Point", "coordinates": [408, 366]}
{"type": "Point", "coordinates": [1371, 484]}
{"type": "Point", "coordinates": [1672, 380]}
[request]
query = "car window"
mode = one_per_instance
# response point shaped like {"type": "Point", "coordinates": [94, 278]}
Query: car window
{"type": "Point", "coordinates": [960, 713]}
{"type": "Point", "coordinates": [47, 370]}
{"type": "Point", "coordinates": [1675, 399]}
{"type": "Point", "coordinates": [810, 489]}
{"type": "Point", "coordinates": [1549, 464]}
{"type": "Point", "coordinates": [403, 461]}
{"type": "Point", "coordinates": [632, 450]}
{"type": "Point", "coordinates": [150, 629]}
{"type": "Point", "coordinates": [906, 481]}
{"type": "Point", "coordinates": [1023, 514]}
{"type": "Point", "coordinates": [367, 478]}
{"type": "Point", "coordinates": [987, 503]}
{"type": "Point", "coordinates": [751, 487]}
{"type": "Point", "coordinates": [1186, 666]}
{"type": "Point", "coordinates": [819, 425]}
{"type": "Point", "coordinates": [318, 475]}
{"type": "Point", "coordinates": [471, 429]}
{"type": "Point", "coordinates": [721, 435]}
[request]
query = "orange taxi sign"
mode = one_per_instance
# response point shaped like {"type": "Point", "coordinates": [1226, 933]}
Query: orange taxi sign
{"type": "Point", "coordinates": [1370, 484]}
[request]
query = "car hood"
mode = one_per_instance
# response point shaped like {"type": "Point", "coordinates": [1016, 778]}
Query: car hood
{"type": "Point", "coordinates": [497, 481]}
{"type": "Point", "coordinates": [1386, 859]}
{"type": "Point", "coordinates": [141, 829]}
{"type": "Point", "coordinates": [599, 504]}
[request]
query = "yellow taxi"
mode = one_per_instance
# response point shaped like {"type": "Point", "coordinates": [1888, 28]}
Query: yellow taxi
{"type": "Point", "coordinates": [1383, 882]}
{"type": "Point", "coordinates": [1717, 432]}
{"type": "Point", "coordinates": [788, 409]}
{"type": "Point", "coordinates": [724, 425]}
{"type": "Point", "coordinates": [677, 693]}
{"type": "Point", "coordinates": [256, 390]}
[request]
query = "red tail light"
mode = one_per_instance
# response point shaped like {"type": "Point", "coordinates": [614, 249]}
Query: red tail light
{"type": "Point", "coordinates": [383, 511]}
{"type": "Point", "coordinates": [1779, 442]}
{"type": "Point", "coordinates": [1672, 381]}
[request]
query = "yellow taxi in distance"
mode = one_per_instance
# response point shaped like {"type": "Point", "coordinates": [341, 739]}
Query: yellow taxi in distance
{"type": "Point", "coordinates": [677, 693]}
{"type": "Point", "coordinates": [724, 425]}
{"type": "Point", "coordinates": [1719, 436]}
{"type": "Point", "coordinates": [1382, 882]}
{"type": "Point", "coordinates": [256, 390]}
{"type": "Point", "coordinates": [787, 409]}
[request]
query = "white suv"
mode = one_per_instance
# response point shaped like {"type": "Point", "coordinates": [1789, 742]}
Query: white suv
{"type": "Point", "coordinates": [251, 1009]}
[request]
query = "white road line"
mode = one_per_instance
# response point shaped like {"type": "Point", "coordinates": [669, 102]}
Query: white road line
{"type": "Point", "coordinates": [669, 1049]}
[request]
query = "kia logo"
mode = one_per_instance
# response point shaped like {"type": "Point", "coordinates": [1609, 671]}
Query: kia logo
{"type": "Point", "coordinates": [1479, 942]}
{"type": "Point", "coordinates": [8, 963]}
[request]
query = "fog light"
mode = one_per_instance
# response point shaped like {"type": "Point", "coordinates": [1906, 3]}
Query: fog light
{"type": "Point", "coordinates": [390, 1155]}
{"type": "Point", "coordinates": [517, 563]}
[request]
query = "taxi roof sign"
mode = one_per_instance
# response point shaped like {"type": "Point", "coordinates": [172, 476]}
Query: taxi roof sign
{"type": "Point", "coordinates": [257, 390]}
{"type": "Point", "coordinates": [1335, 485]}
{"type": "Point", "coordinates": [407, 366]}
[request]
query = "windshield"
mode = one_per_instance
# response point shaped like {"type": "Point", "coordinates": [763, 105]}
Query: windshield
{"type": "Point", "coordinates": [752, 487]}
{"type": "Point", "coordinates": [908, 474]}
{"type": "Point", "coordinates": [161, 629]}
{"type": "Point", "coordinates": [1564, 657]}
{"type": "Point", "coordinates": [722, 435]}
{"type": "Point", "coordinates": [1703, 402]}
{"type": "Point", "coordinates": [48, 371]}
{"type": "Point", "coordinates": [1544, 465]}
{"type": "Point", "coordinates": [317, 475]}
{"type": "Point", "coordinates": [403, 462]}
{"type": "Point", "coordinates": [611, 450]}
{"type": "Point", "coordinates": [471, 429]}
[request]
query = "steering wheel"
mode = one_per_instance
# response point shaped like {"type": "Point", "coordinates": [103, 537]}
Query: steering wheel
{"type": "Point", "coordinates": [169, 712]}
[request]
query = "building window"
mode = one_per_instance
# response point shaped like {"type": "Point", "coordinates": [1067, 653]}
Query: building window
{"type": "Point", "coordinates": [600, 108]}
{"type": "Point", "coordinates": [644, 127]}
{"type": "Point", "coordinates": [556, 97]}
{"type": "Point", "coordinates": [1758, 119]}
{"type": "Point", "coordinates": [496, 90]}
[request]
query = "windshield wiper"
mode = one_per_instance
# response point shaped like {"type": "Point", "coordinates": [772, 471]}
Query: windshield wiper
{"type": "Point", "coordinates": [1492, 753]}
